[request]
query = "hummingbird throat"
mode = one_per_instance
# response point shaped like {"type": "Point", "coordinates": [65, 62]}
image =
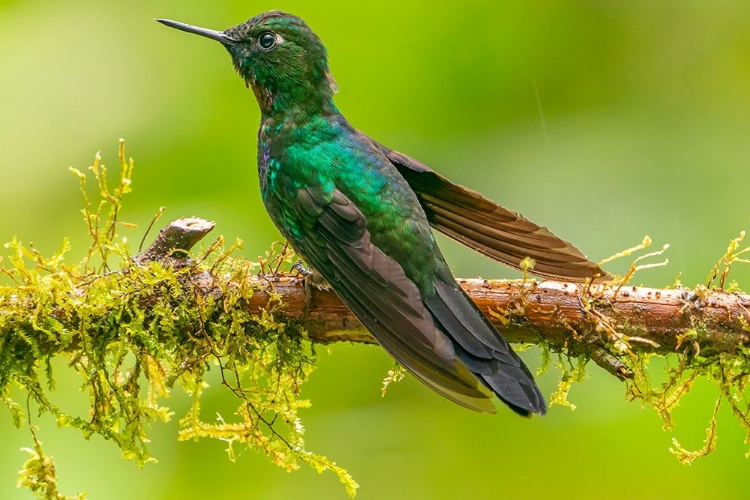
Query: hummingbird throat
{"type": "Point", "coordinates": [305, 97]}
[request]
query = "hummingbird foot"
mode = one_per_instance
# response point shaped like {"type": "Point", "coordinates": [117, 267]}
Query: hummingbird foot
{"type": "Point", "coordinates": [312, 277]}
{"type": "Point", "coordinates": [312, 281]}
{"type": "Point", "coordinates": [301, 269]}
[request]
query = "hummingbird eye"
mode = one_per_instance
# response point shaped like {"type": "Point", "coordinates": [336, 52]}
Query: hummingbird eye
{"type": "Point", "coordinates": [267, 40]}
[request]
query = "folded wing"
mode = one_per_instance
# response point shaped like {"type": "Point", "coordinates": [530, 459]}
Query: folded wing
{"type": "Point", "coordinates": [387, 303]}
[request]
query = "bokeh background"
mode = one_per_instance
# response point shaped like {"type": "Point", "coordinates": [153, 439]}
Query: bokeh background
{"type": "Point", "coordinates": [605, 121]}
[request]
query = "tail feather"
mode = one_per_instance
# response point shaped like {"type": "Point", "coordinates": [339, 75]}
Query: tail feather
{"type": "Point", "coordinates": [483, 350]}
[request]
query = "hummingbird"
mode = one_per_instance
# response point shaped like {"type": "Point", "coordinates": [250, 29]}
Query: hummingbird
{"type": "Point", "coordinates": [360, 214]}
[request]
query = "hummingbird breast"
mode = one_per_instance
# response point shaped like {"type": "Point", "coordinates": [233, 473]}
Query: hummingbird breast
{"type": "Point", "coordinates": [327, 152]}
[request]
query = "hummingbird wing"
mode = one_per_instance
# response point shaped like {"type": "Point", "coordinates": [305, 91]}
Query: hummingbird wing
{"type": "Point", "coordinates": [385, 300]}
{"type": "Point", "coordinates": [483, 225]}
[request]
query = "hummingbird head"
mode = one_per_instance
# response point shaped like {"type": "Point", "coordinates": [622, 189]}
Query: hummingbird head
{"type": "Point", "coordinates": [280, 57]}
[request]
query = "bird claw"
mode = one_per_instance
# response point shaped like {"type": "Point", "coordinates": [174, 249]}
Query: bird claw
{"type": "Point", "coordinates": [312, 281]}
{"type": "Point", "coordinates": [301, 269]}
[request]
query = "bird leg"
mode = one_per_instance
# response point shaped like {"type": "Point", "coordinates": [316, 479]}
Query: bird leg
{"type": "Point", "coordinates": [301, 269]}
{"type": "Point", "coordinates": [312, 281]}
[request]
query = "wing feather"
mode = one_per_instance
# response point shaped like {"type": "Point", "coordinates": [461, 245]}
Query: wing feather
{"type": "Point", "coordinates": [483, 225]}
{"type": "Point", "coordinates": [379, 293]}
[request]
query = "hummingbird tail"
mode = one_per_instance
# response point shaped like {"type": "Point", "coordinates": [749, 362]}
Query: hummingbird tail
{"type": "Point", "coordinates": [483, 350]}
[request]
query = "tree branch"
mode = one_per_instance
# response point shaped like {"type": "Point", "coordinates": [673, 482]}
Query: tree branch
{"type": "Point", "coordinates": [563, 315]}
{"type": "Point", "coordinates": [175, 240]}
{"type": "Point", "coordinates": [600, 321]}
{"type": "Point", "coordinates": [165, 319]}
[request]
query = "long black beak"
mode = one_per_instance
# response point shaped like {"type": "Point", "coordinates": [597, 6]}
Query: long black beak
{"type": "Point", "coordinates": [219, 36]}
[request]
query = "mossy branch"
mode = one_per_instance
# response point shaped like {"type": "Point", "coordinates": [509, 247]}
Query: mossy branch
{"type": "Point", "coordinates": [602, 322]}
{"type": "Point", "coordinates": [563, 316]}
{"type": "Point", "coordinates": [135, 329]}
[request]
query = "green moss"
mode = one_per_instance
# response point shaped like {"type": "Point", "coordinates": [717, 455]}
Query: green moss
{"type": "Point", "coordinates": [136, 333]}
{"type": "Point", "coordinates": [729, 371]}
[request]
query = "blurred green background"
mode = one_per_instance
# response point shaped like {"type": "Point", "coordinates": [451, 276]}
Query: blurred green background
{"type": "Point", "coordinates": [605, 121]}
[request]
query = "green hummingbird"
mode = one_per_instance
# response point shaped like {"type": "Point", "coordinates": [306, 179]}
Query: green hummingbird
{"type": "Point", "coordinates": [360, 213]}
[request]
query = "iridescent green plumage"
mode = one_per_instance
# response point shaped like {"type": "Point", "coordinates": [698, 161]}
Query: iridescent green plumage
{"type": "Point", "coordinates": [360, 215]}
